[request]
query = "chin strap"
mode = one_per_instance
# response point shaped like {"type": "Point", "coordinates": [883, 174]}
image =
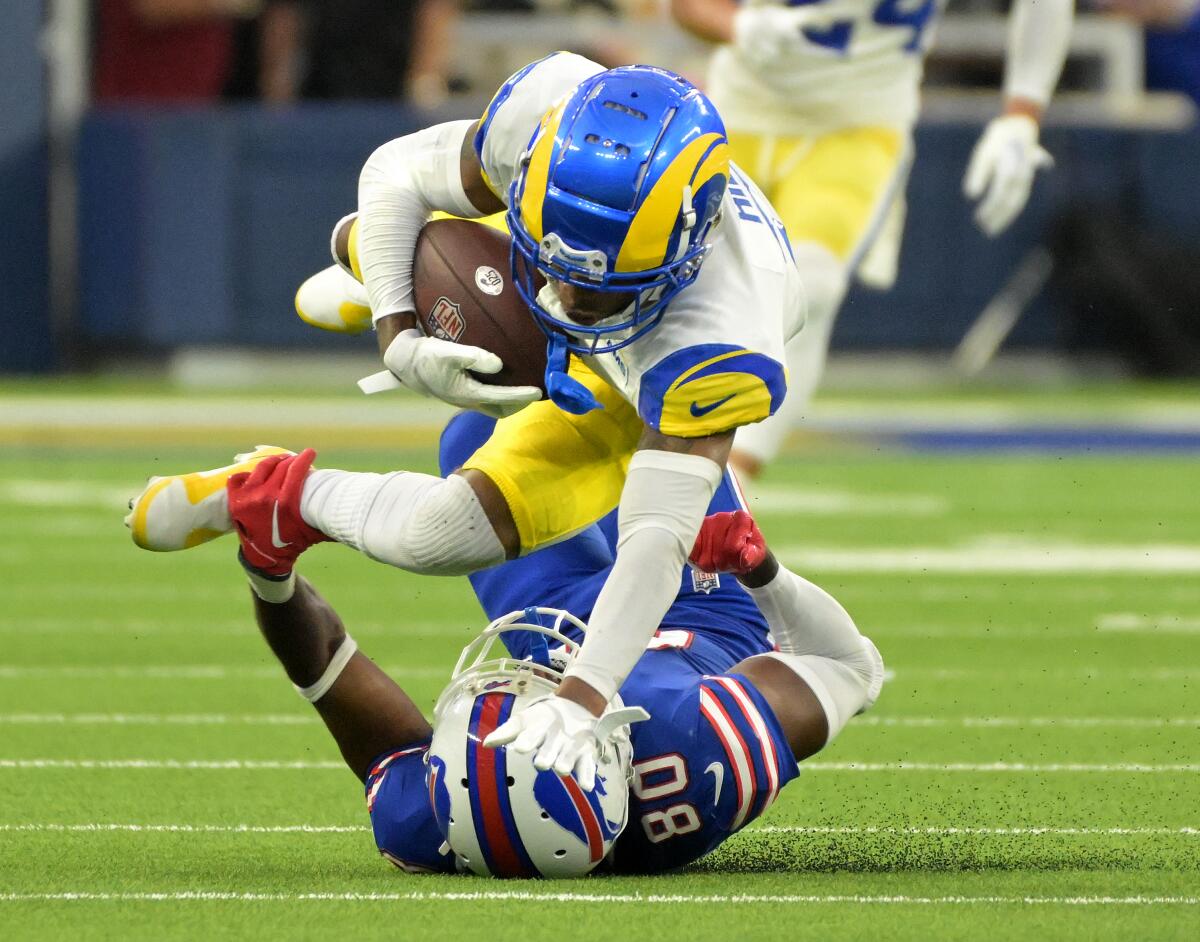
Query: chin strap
{"type": "Point", "coordinates": [567, 393]}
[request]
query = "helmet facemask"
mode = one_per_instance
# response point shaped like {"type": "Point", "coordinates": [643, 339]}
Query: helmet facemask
{"type": "Point", "coordinates": [555, 261]}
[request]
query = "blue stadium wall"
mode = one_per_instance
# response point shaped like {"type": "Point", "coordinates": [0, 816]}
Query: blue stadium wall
{"type": "Point", "coordinates": [26, 344]}
{"type": "Point", "coordinates": [198, 225]}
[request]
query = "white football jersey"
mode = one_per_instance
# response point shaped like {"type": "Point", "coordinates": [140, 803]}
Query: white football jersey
{"type": "Point", "coordinates": [715, 361]}
{"type": "Point", "coordinates": [863, 69]}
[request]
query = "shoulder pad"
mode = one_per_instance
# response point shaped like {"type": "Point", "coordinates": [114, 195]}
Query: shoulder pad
{"type": "Point", "coordinates": [512, 116]}
{"type": "Point", "coordinates": [710, 388]}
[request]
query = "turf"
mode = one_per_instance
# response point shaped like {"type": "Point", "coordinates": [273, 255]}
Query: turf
{"type": "Point", "coordinates": [1032, 770]}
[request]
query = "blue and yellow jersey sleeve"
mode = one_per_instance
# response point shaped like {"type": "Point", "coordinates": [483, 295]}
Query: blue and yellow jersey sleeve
{"type": "Point", "coordinates": [709, 389]}
{"type": "Point", "coordinates": [516, 110]}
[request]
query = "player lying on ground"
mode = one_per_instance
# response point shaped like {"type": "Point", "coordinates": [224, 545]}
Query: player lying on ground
{"type": "Point", "coordinates": [669, 286]}
{"type": "Point", "coordinates": [820, 98]}
{"type": "Point", "coordinates": [729, 716]}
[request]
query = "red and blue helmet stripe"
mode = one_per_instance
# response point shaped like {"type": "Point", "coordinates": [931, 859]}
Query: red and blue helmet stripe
{"type": "Point", "coordinates": [491, 807]}
{"type": "Point", "coordinates": [576, 811]}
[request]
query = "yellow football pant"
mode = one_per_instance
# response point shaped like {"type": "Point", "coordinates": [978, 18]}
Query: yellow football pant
{"type": "Point", "coordinates": [831, 188]}
{"type": "Point", "coordinates": [561, 472]}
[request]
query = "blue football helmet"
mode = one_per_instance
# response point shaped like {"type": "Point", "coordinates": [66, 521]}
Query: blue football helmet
{"type": "Point", "coordinates": [617, 193]}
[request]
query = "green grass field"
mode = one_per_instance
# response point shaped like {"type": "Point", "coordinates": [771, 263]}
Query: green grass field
{"type": "Point", "coordinates": [1031, 771]}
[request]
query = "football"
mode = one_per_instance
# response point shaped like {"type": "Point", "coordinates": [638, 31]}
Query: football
{"type": "Point", "coordinates": [464, 293]}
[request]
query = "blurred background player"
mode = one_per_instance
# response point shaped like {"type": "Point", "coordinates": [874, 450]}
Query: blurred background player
{"type": "Point", "coordinates": [820, 99]}
{"type": "Point", "coordinates": [732, 708]}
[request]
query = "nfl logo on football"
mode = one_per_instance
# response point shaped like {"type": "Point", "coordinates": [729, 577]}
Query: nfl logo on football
{"type": "Point", "coordinates": [705, 581]}
{"type": "Point", "coordinates": [447, 319]}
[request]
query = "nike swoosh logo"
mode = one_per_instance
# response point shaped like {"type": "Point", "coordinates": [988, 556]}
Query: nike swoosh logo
{"type": "Point", "coordinates": [698, 410]}
{"type": "Point", "coordinates": [275, 540]}
{"type": "Point", "coordinates": [718, 774]}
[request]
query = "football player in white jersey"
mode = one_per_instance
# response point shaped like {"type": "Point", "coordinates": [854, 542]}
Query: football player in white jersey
{"type": "Point", "coordinates": [670, 293]}
{"type": "Point", "coordinates": [819, 97]}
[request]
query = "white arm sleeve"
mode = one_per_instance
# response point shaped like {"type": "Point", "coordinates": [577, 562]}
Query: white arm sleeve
{"type": "Point", "coordinates": [662, 507]}
{"type": "Point", "coordinates": [1039, 35]}
{"type": "Point", "coordinates": [804, 618]}
{"type": "Point", "coordinates": [401, 183]}
{"type": "Point", "coordinates": [818, 640]}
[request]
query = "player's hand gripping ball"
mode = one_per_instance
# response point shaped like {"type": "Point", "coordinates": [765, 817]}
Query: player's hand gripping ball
{"type": "Point", "coordinates": [729, 542]}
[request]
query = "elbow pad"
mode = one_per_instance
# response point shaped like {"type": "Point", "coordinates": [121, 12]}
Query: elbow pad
{"type": "Point", "coordinates": [402, 182]}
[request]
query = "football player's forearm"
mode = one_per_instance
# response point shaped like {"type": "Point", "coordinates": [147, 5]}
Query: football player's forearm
{"type": "Point", "coordinates": [662, 508]}
{"type": "Point", "coordinates": [711, 20]}
{"type": "Point", "coordinates": [642, 584]}
{"type": "Point", "coordinates": [303, 633]}
{"type": "Point", "coordinates": [402, 182]}
{"type": "Point", "coordinates": [364, 710]}
{"type": "Point", "coordinates": [803, 617]}
{"type": "Point", "coordinates": [1038, 41]}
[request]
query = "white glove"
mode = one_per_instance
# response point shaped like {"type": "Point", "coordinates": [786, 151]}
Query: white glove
{"type": "Point", "coordinates": [438, 368]}
{"type": "Point", "coordinates": [562, 732]}
{"type": "Point", "coordinates": [764, 34]}
{"type": "Point", "coordinates": [1000, 174]}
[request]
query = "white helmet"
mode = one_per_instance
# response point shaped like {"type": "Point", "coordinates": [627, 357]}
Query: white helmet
{"type": "Point", "coordinates": [499, 815]}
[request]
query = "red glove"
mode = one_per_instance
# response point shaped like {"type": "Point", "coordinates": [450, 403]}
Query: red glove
{"type": "Point", "coordinates": [729, 542]}
{"type": "Point", "coordinates": [265, 507]}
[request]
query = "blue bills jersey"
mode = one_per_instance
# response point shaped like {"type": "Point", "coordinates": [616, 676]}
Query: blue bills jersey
{"type": "Point", "coordinates": [711, 758]}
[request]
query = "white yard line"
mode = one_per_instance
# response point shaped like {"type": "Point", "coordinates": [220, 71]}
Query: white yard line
{"type": "Point", "coordinates": [35, 493]}
{"type": "Point", "coordinates": [991, 556]}
{"type": "Point", "coordinates": [243, 765]}
{"type": "Point", "coordinates": [157, 719]}
{"type": "Point", "coordinates": [780, 499]}
{"type": "Point", "coordinates": [88, 828]}
{"type": "Point", "coordinates": [168, 624]}
{"type": "Point", "coordinates": [1164, 624]}
{"type": "Point", "coordinates": [302, 719]}
{"type": "Point", "coordinates": [178, 671]}
{"type": "Point", "coordinates": [316, 765]}
{"type": "Point", "coordinates": [530, 896]}
{"type": "Point", "coordinates": [1023, 722]}
{"type": "Point", "coordinates": [239, 671]}
{"type": "Point", "coordinates": [191, 828]}
{"type": "Point", "coordinates": [979, 831]}
{"type": "Point", "coordinates": [303, 409]}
